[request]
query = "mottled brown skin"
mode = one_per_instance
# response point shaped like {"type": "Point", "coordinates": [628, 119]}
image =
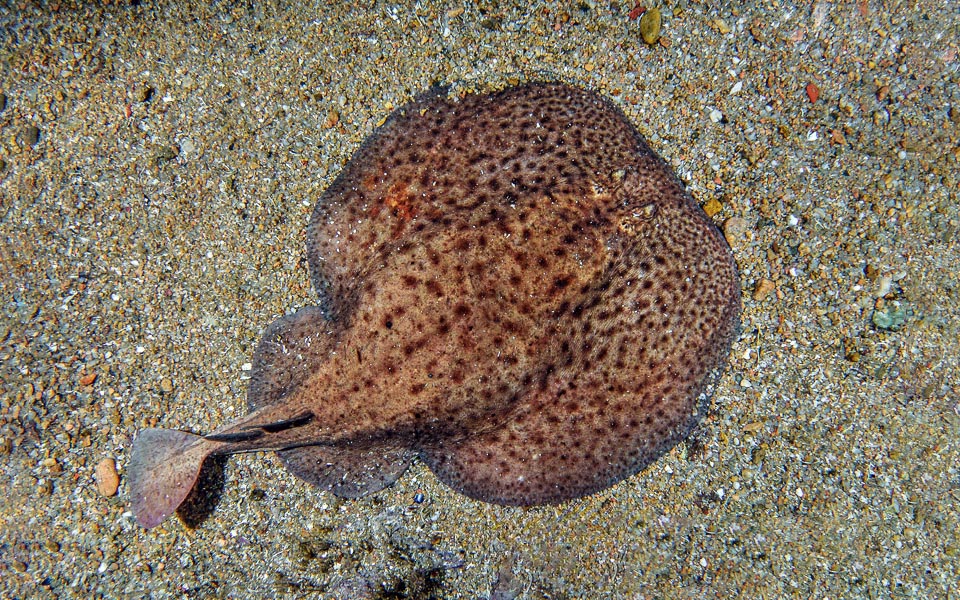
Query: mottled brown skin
{"type": "Point", "coordinates": [513, 286]}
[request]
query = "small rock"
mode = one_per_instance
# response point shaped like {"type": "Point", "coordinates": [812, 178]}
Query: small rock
{"type": "Point", "coordinates": [650, 26]}
{"type": "Point", "coordinates": [187, 146]}
{"type": "Point", "coordinates": [88, 379]}
{"type": "Point", "coordinates": [884, 285]}
{"type": "Point", "coordinates": [813, 92]}
{"type": "Point", "coordinates": [890, 318]}
{"type": "Point", "coordinates": [166, 385]}
{"type": "Point", "coordinates": [734, 229]}
{"type": "Point", "coordinates": [721, 26]}
{"type": "Point", "coordinates": [333, 117]}
{"type": "Point", "coordinates": [31, 135]}
{"type": "Point", "coordinates": [165, 154]}
{"type": "Point", "coordinates": [491, 23]}
{"type": "Point", "coordinates": [145, 93]}
{"type": "Point", "coordinates": [107, 479]}
{"type": "Point", "coordinates": [712, 207]}
{"type": "Point", "coordinates": [763, 289]}
{"type": "Point", "coordinates": [954, 114]}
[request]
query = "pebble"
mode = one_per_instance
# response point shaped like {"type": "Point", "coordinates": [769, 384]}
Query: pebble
{"type": "Point", "coordinates": [734, 229]}
{"type": "Point", "coordinates": [165, 153]}
{"type": "Point", "coordinates": [712, 207]}
{"type": "Point", "coordinates": [890, 318]}
{"type": "Point", "coordinates": [107, 479]}
{"type": "Point", "coordinates": [166, 385]}
{"type": "Point", "coordinates": [145, 93]}
{"type": "Point", "coordinates": [187, 146]}
{"type": "Point", "coordinates": [763, 288]}
{"type": "Point", "coordinates": [883, 286]}
{"type": "Point", "coordinates": [954, 115]}
{"type": "Point", "coordinates": [650, 26]}
{"type": "Point", "coordinates": [31, 135]}
{"type": "Point", "coordinates": [721, 26]}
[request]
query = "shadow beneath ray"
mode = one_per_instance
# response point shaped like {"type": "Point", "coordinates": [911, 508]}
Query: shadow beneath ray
{"type": "Point", "coordinates": [206, 494]}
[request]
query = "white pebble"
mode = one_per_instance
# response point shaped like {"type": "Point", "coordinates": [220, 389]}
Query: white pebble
{"type": "Point", "coordinates": [716, 115]}
{"type": "Point", "coordinates": [884, 286]}
{"type": "Point", "coordinates": [736, 88]}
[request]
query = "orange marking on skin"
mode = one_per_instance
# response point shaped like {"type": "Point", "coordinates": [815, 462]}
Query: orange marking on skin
{"type": "Point", "coordinates": [400, 201]}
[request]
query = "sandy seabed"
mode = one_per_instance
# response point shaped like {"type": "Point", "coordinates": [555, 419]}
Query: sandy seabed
{"type": "Point", "coordinates": [158, 165]}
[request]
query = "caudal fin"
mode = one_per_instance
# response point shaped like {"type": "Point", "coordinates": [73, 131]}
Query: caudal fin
{"type": "Point", "coordinates": [164, 467]}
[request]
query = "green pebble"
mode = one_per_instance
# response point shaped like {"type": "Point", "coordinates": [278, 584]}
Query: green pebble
{"type": "Point", "coordinates": [890, 319]}
{"type": "Point", "coordinates": [650, 26]}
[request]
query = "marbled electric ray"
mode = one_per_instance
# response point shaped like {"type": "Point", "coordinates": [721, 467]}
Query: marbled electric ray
{"type": "Point", "coordinates": [513, 287]}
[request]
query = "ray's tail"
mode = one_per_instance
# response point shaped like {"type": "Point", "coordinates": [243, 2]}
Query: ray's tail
{"type": "Point", "coordinates": [164, 466]}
